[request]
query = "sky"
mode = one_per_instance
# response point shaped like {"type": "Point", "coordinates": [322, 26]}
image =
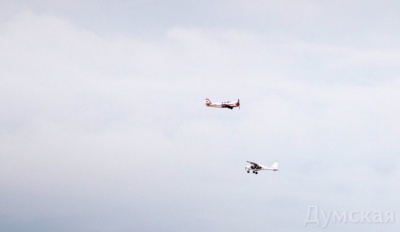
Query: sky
{"type": "Point", "coordinates": [103, 125]}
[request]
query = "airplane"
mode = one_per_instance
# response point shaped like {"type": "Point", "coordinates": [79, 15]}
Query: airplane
{"type": "Point", "coordinates": [226, 104]}
{"type": "Point", "coordinates": [256, 167]}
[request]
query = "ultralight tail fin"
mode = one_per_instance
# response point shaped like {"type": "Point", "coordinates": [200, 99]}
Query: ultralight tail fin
{"type": "Point", "coordinates": [207, 101]}
{"type": "Point", "coordinates": [275, 165]}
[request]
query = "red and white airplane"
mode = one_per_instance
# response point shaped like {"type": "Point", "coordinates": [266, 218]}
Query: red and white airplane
{"type": "Point", "coordinates": [256, 167]}
{"type": "Point", "coordinates": [226, 104]}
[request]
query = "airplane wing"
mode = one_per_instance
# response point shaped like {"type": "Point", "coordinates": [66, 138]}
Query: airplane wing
{"type": "Point", "coordinates": [254, 164]}
{"type": "Point", "coordinates": [251, 162]}
{"type": "Point", "coordinates": [224, 105]}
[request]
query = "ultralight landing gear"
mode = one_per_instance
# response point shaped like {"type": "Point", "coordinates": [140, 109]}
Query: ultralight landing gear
{"type": "Point", "coordinates": [248, 171]}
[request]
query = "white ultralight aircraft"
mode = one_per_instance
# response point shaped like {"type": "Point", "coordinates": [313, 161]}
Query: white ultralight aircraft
{"type": "Point", "coordinates": [226, 104]}
{"type": "Point", "coordinates": [256, 167]}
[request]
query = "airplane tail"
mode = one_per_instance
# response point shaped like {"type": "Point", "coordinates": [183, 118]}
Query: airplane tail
{"type": "Point", "coordinates": [207, 101]}
{"type": "Point", "coordinates": [275, 166]}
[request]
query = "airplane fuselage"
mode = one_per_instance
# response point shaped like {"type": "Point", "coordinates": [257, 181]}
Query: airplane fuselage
{"type": "Point", "coordinates": [226, 104]}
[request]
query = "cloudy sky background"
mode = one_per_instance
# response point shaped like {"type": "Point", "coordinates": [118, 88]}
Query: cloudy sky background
{"type": "Point", "coordinates": [103, 127]}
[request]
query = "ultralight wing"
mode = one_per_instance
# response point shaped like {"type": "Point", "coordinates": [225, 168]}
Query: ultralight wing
{"type": "Point", "coordinates": [252, 163]}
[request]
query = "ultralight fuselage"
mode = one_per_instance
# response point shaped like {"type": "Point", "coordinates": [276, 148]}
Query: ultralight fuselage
{"type": "Point", "coordinates": [253, 167]}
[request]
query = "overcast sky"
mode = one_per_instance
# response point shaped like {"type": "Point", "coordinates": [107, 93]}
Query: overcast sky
{"type": "Point", "coordinates": [103, 126]}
